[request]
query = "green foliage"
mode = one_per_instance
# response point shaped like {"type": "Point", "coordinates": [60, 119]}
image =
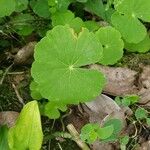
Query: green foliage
{"type": "Point", "coordinates": [21, 5]}
{"type": "Point", "coordinates": [4, 138]}
{"type": "Point", "coordinates": [58, 5]}
{"type": "Point", "coordinates": [92, 132]}
{"type": "Point", "coordinates": [141, 113]}
{"type": "Point", "coordinates": [126, 19]}
{"type": "Point", "coordinates": [96, 7]}
{"type": "Point", "coordinates": [91, 25]}
{"type": "Point", "coordinates": [57, 69]}
{"type": "Point", "coordinates": [41, 8]}
{"type": "Point", "coordinates": [127, 100]}
{"type": "Point", "coordinates": [148, 121]}
{"type": "Point", "coordinates": [112, 43]}
{"type": "Point", "coordinates": [22, 24]}
{"type": "Point", "coordinates": [35, 92]}
{"type": "Point", "coordinates": [7, 7]}
{"type": "Point", "coordinates": [89, 132]}
{"type": "Point", "coordinates": [27, 133]}
{"type": "Point", "coordinates": [82, 1]}
{"type": "Point", "coordinates": [117, 125]}
{"type": "Point", "coordinates": [123, 142]}
{"type": "Point", "coordinates": [105, 132]}
{"type": "Point", "coordinates": [67, 17]}
{"type": "Point", "coordinates": [109, 132]}
{"type": "Point", "coordinates": [51, 109]}
{"type": "Point", "coordinates": [140, 47]}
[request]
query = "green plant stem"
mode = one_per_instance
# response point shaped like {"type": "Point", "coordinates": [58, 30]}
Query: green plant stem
{"type": "Point", "coordinates": [76, 137]}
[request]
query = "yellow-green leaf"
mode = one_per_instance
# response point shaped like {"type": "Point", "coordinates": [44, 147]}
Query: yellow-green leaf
{"type": "Point", "coordinates": [27, 133]}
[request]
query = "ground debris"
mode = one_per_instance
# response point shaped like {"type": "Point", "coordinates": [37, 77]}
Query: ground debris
{"type": "Point", "coordinates": [8, 117]}
{"type": "Point", "coordinates": [120, 81]}
{"type": "Point", "coordinates": [25, 55]}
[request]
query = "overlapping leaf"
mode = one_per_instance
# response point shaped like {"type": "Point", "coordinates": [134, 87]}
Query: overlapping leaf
{"type": "Point", "coordinates": [7, 7]}
{"type": "Point", "coordinates": [58, 61]}
{"type": "Point", "coordinates": [67, 17]}
{"type": "Point", "coordinates": [140, 47]}
{"type": "Point", "coordinates": [51, 109]}
{"type": "Point", "coordinates": [22, 24]}
{"type": "Point", "coordinates": [4, 138]}
{"type": "Point", "coordinates": [40, 7]}
{"type": "Point", "coordinates": [126, 20]}
{"type": "Point", "coordinates": [113, 45]}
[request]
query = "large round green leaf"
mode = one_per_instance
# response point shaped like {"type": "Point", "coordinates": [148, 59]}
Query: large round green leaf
{"type": "Point", "coordinates": [135, 8]}
{"type": "Point", "coordinates": [132, 30]}
{"type": "Point", "coordinates": [58, 61]}
{"type": "Point", "coordinates": [126, 19]}
{"type": "Point", "coordinates": [7, 7]}
{"type": "Point", "coordinates": [113, 45]}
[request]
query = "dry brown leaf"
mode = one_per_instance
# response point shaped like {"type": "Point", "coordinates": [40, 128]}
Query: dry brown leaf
{"type": "Point", "coordinates": [103, 107]}
{"type": "Point", "coordinates": [120, 81]}
{"type": "Point", "coordinates": [144, 146]}
{"type": "Point", "coordinates": [25, 54]}
{"type": "Point", "coordinates": [144, 81]}
{"type": "Point", "coordinates": [8, 117]}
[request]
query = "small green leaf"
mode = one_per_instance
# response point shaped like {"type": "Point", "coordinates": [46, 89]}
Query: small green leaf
{"type": "Point", "coordinates": [89, 133]}
{"type": "Point", "coordinates": [21, 5]}
{"type": "Point", "coordinates": [7, 7]}
{"type": "Point", "coordinates": [22, 24]}
{"type": "Point", "coordinates": [118, 100]}
{"type": "Point", "coordinates": [52, 108]}
{"type": "Point", "coordinates": [91, 25]}
{"type": "Point", "coordinates": [62, 18]}
{"type": "Point", "coordinates": [4, 138]}
{"type": "Point", "coordinates": [56, 69]}
{"type": "Point", "coordinates": [140, 113]}
{"type": "Point", "coordinates": [113, 45]}
{"type": "Point", "coordinates": [27, 133]}
{"type": "Point", "coordinates": [67, 17]}
{"type": "Point", "coordinates": [130, 100]}
{"type": "Point", "coordinates": [59, 5]}
{"type": "Point", "coordinates": [140, 47]}
{"type": "Point", "coordinates": [41, 8]}
{"type": "Point", "coordinates": [148, 121]}
{"type": "Point", "coordinates": [117, 125]}
{"type": "Point", "coordinates": [124, 140]}
{"type": "Point", "coordinates": [105, 132]}
{"type": "Point", "coordinates": [96, 7]}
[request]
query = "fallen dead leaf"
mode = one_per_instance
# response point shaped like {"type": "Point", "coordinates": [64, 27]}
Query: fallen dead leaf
{"type": "Point", "coordinates": [25, 54]}
{"type": "Point", "coordinates": [120, 81]}
{"type": "Point", "coordinates": [8, 117]}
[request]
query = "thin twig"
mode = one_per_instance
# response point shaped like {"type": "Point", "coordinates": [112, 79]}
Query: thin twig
{"type": "Point", "coordinates": [15, 73]}
{"type": "Point", "coordinates": [18, 95]}
{"type": "Point", "coordinates": [5, 73]}
{"type": "Point", "coordinates": [59, 146]}
{"type": "Point", "coordinates": [76, 137]}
